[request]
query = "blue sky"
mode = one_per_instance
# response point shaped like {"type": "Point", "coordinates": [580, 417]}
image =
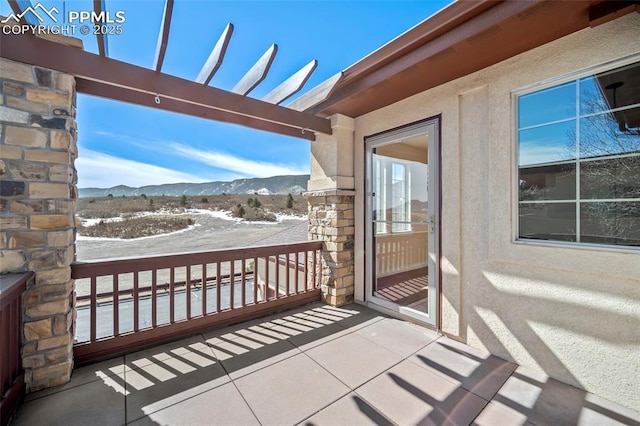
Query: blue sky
{"type": "Point", "coordinates": [131, 145]}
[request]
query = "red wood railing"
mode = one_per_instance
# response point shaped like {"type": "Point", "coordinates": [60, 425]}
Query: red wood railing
{"type": "Point", "coordinates": [125, 304]}
{"type": "Point", "coordinates": [11, 374]}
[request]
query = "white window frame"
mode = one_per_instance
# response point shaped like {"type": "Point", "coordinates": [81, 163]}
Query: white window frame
{"type": "Point", "coordinates": [515, 205]}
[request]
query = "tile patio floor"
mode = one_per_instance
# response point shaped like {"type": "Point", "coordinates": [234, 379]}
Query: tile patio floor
{"type": "Point", "coordinates": [316, 365]}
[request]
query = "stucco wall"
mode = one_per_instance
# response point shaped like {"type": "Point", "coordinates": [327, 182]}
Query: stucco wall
{"type": "Point", "coordinates": [572, 312]}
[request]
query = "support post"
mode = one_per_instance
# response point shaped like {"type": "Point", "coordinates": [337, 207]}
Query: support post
{"type": "Point", "coordinates": [38, 200]}
{"type": "Point", "coordinates": [331, 208]}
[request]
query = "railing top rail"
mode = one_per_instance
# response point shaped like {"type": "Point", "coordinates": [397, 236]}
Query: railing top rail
{"type": "Point", "coordinates": [88, 269]}
{"type": "Point", "coordinates": [12, 286]}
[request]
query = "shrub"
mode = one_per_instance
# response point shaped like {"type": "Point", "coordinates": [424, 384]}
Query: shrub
{"type": "Point", "coordinates": [250, 201]}
{"type": "Point", "coordinates": [204, 200]}
{"type": "Point", "coordinates": [183, 200]}
{"type": "Point", "coordinates": [238, 211]}
{"type": "Point", "coordinates": [289, 201]}
{"type": "Point", "coordinates": [256, 214]}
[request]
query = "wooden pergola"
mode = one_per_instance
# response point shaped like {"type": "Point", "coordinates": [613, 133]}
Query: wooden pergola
{"type": "Point", "coordinates": [100, 75]}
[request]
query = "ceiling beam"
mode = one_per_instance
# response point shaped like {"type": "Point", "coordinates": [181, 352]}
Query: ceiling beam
{"type": "Point", "coordinates": [163, 37]}
{"type": "Point", "coordinates": [33, 50]}
{"type": "Point", "coordinates": [102, 90]}
{"type": "Point", "coordinates": [292, 85]}
{"type": "Point", "coordinates": [602, 13]}
{"type": "Point", "coordinates": [257, 73]}
{"type": "Point", "coordinates": [103, 43]}
{"type": "Point", "coordinates": [217, 55]}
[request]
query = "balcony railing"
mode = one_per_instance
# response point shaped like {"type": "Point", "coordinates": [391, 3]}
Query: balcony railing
{"type": "Point", "coordinates": [11, 374]}
{"type": "Point", "coordinates": [125, 304]}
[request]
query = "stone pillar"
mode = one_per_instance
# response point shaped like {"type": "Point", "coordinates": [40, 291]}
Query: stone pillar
{"type": "Point", "coordinates": [38, 193]}
{"type": "Point", "coordinates": [331, 209]}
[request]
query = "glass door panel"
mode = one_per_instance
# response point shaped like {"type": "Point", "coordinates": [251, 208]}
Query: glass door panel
{"type": "Point", "coordinates": [400, 268]}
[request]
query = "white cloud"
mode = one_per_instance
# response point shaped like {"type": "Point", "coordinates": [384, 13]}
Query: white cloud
{"type": "Point", "coordinates": [96, 169]}
{"type": "Point", "coordinates": [236, 164]}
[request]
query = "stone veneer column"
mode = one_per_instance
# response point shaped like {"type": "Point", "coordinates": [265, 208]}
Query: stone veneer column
{"type": "Point", "coordinates": [331, 209]}
{"type": "Point", "coordinates": [38, 193]}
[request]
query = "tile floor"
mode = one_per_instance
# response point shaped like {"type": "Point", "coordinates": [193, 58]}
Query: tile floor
{"type": "Point", "coordinates": [316, 365]}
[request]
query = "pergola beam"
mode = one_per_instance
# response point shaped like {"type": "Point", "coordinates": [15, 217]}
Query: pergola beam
{"type": "Point", "coordinates": [197, 110]}
{"type": "Point", "coordinates": [215, 58]}
{"type": "Point", "coordinates": [316, 95]}
{"type": "Point", "coordinates": [248, 111]}
{"type": "Point", "coordinates": [163, 37]}
{"type": "Point", "coordinates": [292, 85]}
{"type": "Point", "coordinates": [103, 43]}
{"type": "Point", "coordinates": [257, 73]}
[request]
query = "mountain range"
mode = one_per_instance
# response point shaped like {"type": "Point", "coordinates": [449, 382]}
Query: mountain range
{"type": "Point", "coordinates": [293, 184]}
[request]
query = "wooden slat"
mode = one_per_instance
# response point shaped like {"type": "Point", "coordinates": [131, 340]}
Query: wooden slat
{"type": "Point", "coordinates": [257, 73]}
{"type": "Point", "coordinates": [116, 305]}
{"type": "Point", "coordinates": [297, 269]}
{"type": "Point", "coordinates": [136, 301]}
{"type": "Point", "coordinates": [103, 43]}
{"type": "Point", "coordinates": [154, 298]}
{"type": "Point", "coordinates": [244, 282]}
{"type": "Point", "coordinates": [255, 280]}
{"type": "Point", "coordinates": [287, 271]}
{"type": "Point", "coordinates": [94, 68]}
{"type": "Point", "coordinates": [218, 287]}
{"type": "Point", "coordinates": [292, 85]}
{"type": "Point", "coordinates": [163, 36]}
{"type": "Point", "coordinates": [232, 281]}
{"type": "Point", "coordinates": [316, 95]}
{"type": "Point", "coordinates": [172, 295]}
{"type": "Point", "coordinates": [276, 262]}
{"type": "Point", "coordinates": [216, 57]}
{"type": "Point", "coordinates": [188, 291]}
{"type": "Point", "coordinates": [203, 293]}
{"type": "Point", "coordinates": [94, 307]}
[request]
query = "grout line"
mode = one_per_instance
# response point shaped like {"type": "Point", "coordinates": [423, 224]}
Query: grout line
{"type": "Point", "coordinates": [232, 381]}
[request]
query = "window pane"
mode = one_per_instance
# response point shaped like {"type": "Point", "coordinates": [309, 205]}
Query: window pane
{"type": "Point", "coordinates": [612, 178]}
{"type": "Point", "coordinates": [553, 221]}
{"type": "Point", "coordinates": [610, 90]}
{"type": "Point", "coordinates": [610, 223]}
{"type": "Point", "coordinates": [548, 105]}
{"type": "Point", "coordinates": [547, 144]}
{"type": "Point", "coordinates": [608, 134]}
{"type": "Point", "coordinates": [552, 182]}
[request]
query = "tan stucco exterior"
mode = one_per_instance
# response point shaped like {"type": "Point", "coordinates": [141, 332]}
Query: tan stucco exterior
{"type": "Point", "coordinates": [572, 312]}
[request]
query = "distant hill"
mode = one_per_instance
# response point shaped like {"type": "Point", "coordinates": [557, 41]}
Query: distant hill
{"type": "Point", "coordinates": [294, 184]}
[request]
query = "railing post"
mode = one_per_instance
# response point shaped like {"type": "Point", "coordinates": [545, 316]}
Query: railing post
{"type": "Point", "coordinates": [37, 228]}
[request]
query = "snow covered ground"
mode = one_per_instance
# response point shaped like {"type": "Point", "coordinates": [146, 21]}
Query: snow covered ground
{"type": "Point", "coordinates": [213, 229]}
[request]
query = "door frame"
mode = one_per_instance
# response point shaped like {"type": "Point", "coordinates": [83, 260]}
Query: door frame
{"type": "Point", "coordinates": [434, 198]}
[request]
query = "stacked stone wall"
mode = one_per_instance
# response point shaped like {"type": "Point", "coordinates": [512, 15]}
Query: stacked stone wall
{"type": "Point", "coordinates": [37, 207]}
{"type": "Point", "coordinates": [331, 220]}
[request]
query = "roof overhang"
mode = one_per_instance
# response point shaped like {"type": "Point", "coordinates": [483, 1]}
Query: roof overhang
{"type": "Point", "coordinates": [463, 38]}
